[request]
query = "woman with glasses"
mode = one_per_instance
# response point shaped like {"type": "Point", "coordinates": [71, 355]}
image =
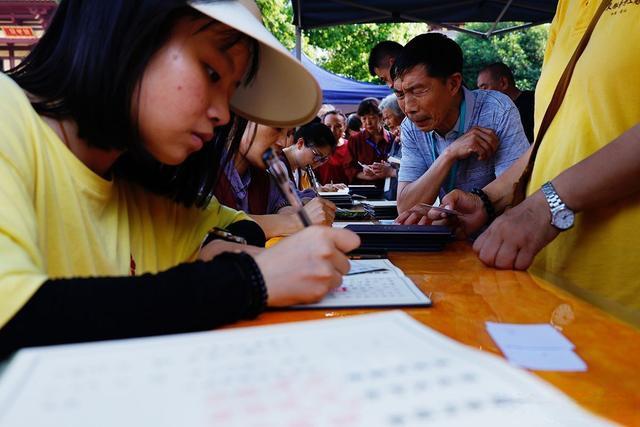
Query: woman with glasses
{"type": "Point", "coordinates": [314, 143]}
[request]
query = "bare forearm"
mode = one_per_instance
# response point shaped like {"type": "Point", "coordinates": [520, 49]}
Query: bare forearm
{"type": "Point", "coordinates": [281, 224]}
{"type": "Point", "coordinates": [609, 174]}
{"type": "Point", "coordinates": [500, 190]}
{"type": "Point", "coordinates": [426, 188]}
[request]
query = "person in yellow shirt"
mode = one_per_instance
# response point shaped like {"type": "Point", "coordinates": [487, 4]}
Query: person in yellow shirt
{"type": "Point", "coordinates": [110, 132]}
{"type": "Point", "coordinates": [580, 224]}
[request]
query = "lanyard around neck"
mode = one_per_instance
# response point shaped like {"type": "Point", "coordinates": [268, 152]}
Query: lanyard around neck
{"type": "Point", "coordinates": [453, 173]}
{"type": "Point", "coordinates": [375, 147]}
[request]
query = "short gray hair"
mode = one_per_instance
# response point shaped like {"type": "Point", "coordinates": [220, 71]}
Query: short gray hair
{"type": "Point", "coordinates": [391, 102]}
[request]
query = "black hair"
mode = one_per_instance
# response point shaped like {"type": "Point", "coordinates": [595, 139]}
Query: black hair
{"type": "Point", "coordinates": [316, 135]}
{"type": "Point", "coordinates": [440, 56]}
{"type": "Point", "coordinates": [333, 112]}
{"type": "Point", "coordinates": [87, 67]}
{"type": "Point", "coordinates": [381, 51]}
{"type": "Point", "coordinates": [354, 123]}
{"type": "Point", "coordinates": [499, 70]}
{"type": "Point", "coordinates": [369, 106]}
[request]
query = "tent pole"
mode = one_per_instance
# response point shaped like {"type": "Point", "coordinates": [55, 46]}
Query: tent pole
{"type": "Point", "coordinates": [298, 43]}
{"type": "Point", "coordinates": [498, 19]}
{"type": "Point", "coordinates": [299, 35]}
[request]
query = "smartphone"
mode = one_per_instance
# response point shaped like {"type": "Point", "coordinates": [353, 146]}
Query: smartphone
{"type": "Point", "coordinates": [423, 208]}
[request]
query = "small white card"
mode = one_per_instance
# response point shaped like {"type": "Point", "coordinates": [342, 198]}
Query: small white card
{"type": "Point", "coordinates": [540, 336]}
{"type": "Point", "coordinates": [546, 360]}
{"type": "Point", "coordinates": [536, 346]}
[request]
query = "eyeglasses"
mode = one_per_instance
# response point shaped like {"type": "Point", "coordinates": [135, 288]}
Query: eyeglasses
{"type": "Point", "coordinates": [318, 157]}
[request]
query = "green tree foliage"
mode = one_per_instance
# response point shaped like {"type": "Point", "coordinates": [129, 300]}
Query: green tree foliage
{"type": "Point", "coordinates": [345, 49]}
{"type": "Point", "coordinates": [522, 51]}
{"type": "Point", "coordinates": [342, 49]}
{"type": "Point", "coordinates": [278, 17]}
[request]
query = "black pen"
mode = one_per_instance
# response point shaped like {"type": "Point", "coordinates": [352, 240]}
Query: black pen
{"type": "Point", "coordinates": [375, 270]}
{"type": "Point", "coordinates": [367, 256]}
{"type": "Point", "coordinates": [278, 170]}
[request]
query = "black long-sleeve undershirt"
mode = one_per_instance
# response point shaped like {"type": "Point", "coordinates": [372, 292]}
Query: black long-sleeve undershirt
{"type": "Point", "coordinates": [188, 297]}
{"type": "Point", "coordinates": [251, 231]}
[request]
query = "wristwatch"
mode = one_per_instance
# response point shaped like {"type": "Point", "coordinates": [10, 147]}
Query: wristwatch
{"type": "Point", "coordinates": [219, 234]}
{"type": "Point", "coordinates": [561, 216]}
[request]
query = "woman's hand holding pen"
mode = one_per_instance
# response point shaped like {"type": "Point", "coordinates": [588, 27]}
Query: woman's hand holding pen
{"type": "Point", "coordinates": [320, 211]}
{"type": "Point", "coordinates": [383, 169]}
{"type": "Point", "coordinates": [302, 268]}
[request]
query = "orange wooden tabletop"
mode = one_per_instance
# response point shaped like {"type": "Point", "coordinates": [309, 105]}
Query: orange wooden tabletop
{"type": "Point", "coordinates": [466, 294]}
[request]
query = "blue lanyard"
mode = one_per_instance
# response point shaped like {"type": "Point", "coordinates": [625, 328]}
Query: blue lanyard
{"type": "Point", "coordinates": [375, 147]}
{"type": "Point", "coordinates": [453, 173]}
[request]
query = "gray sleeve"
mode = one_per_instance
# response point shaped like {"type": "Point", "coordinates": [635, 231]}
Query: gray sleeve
{"type": "Point", "coordinates": [413, 164]}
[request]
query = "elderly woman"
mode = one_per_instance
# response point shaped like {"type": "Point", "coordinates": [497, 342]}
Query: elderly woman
{"type": "Point", "coordinates": [392, 115]}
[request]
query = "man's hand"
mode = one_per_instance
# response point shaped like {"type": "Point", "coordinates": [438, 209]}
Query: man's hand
{"type": "Point", "coordinates": [515, 237]}
{"type": "Point", "coordinates": [414, 215]}
{"type": "Point", "coordinates": [480, 141]}
{"type": "Point", "coordinates": [473, 215]}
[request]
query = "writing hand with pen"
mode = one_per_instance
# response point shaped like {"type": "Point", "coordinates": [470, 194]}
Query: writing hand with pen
{"type": "Point", "coordinates": [303, 267]}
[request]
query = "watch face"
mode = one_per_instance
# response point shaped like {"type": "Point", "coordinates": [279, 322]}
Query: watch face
{"type": "Point", "coordinates": [563, 219]}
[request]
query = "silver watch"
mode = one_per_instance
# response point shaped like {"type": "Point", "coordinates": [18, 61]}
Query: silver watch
{"type": "Point", "coordinates": [561, 216]}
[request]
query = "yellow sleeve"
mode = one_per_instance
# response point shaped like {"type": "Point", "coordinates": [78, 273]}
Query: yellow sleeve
{"type": "Point", "coordinates": [553, 30]}
{"type": "Point", "coordinates": [21, 262]}
{"type": "Point", "coordinates": [192, 224]}
{"type": "Point", "coordinates": [218, 215]}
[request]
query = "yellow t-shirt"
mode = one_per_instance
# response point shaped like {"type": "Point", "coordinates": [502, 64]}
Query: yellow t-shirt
{"type": "Point", "coordinates": [59, 219]}
{"type": "Point", "coordinates": [600, 255]}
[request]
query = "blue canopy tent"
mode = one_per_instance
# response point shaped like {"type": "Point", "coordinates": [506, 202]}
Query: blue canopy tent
{"type": "Point", "coordinates": [340, 91]}
{"type": "Point", "coordinates": [310, 14]}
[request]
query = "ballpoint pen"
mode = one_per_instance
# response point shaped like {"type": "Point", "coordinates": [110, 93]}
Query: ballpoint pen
{"type": "Point", "coordinates": [375, 270]}
{"type": "Point", "coordinates": [312, 177]}
{"type": "Point", "coordinates": [278, 170]}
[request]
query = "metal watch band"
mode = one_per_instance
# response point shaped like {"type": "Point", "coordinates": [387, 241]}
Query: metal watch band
{"type": "Point", "coordinates": [553, 199]}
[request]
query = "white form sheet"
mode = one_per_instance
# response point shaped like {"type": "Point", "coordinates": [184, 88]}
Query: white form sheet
{"type": "Point", "coordinates": [381, 369]}
{"type": "Point", "coordinates": [388, 288]}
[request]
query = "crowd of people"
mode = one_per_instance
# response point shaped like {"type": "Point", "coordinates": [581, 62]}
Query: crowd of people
{"type": "Point", "coordinates": [137, 201]}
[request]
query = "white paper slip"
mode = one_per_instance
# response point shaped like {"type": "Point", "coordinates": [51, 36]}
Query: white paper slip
{"type": "Point", "coordinates": [389, 288]}
{"type": "Point", "coordinates": [343, 224]}
{"type": "Point", "coordinates": [535, 346]}
{"type": "Point", "coordinates": [530, 336]}
{"type": "Point", "coordinates": [545, 360]}
{"type": "Point", "coordinates": [380, 203]}
{"type": "Point", "coordinates": [373, 370]}
{"type": "Point", "coordinates": [341, 192]}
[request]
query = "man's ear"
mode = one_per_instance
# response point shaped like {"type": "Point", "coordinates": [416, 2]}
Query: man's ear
{"type": "Point", "coordinates": [503, 83]}
{"type": "Point", "coordinates": [300, 144]}
{"type": "Point", "coordinates": [454, 83]}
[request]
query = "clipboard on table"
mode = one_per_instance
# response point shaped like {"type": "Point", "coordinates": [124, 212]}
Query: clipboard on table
{"type": "Point", "coordinates": [380, 239]}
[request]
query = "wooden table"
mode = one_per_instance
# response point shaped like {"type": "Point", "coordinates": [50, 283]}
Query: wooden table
{"type": "Point", "coordinates": [465, 294]}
